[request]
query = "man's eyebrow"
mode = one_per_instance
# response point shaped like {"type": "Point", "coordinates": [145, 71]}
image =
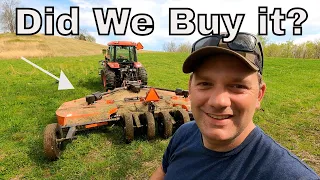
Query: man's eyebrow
{"type": "Point", "coordinates": [241, 80]}
{"type": "Point", "coordinates": [233, 79]}
{"type": "Point", "coordinates": [202, 77]}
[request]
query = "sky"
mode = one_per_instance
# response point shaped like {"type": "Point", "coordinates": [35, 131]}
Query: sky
{"type": "Point", "coordinates": [159, 11]}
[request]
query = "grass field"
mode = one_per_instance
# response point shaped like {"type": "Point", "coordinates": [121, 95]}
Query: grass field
{"type": "Point", "coordinates": [39, 45]}
{"type": "Point", "coordinates": [29, 98]}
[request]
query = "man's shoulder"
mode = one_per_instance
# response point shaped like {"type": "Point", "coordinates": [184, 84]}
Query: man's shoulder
{"type": "Point", "coordinates": [281, 161]}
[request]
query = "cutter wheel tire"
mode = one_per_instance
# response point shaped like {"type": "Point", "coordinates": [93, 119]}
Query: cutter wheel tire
{"type": "Point", "coordinates": [52, 148]}
{"type": "Point", "coordinates": [128, 127]}
{"type": "Point", "coordinates": [151, 131]}
{"type": "Point", "coordinates": [181, 116]}
{"type": "Point", "coordinates": [165, 124]}
{"type": "Point", "coordinates": [143, 76]}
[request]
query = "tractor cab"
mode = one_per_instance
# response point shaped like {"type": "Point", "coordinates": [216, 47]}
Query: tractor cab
{"type": "Point", "coordinates": [122, 51]}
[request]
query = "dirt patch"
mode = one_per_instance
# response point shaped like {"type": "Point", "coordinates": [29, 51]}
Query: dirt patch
{"type": "Point", "coordinates": [151, 164]}
{"type": "Point", "coordinates": [94, 156]}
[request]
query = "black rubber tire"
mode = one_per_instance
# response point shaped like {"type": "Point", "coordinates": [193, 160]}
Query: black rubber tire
{"type": "Point", "coordinates": [181, 116]}
{"type": "Point", "coordinates": [166, 124]}
{"type": "Point", "coordinates": [110, 77]}
{"type": "Point", "coordinates": [143, 76]}
{"type": "Point", "coordinates": [151, 131]}
{"type": "Point", "coordinates": [52, 149]}
{"type": "Point", "coordinates": [128, 127]}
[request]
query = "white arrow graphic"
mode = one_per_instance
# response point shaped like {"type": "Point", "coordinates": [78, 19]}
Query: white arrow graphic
{"type": "Point", "coordinates": [64, 83]}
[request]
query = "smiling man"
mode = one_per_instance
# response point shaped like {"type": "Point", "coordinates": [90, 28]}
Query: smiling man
{"type": "Point", "coordinates": [226, 89]}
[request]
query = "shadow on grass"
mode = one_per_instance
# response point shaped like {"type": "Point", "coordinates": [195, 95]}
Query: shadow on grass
{"type": "Point", "coordinates": [125, 157]}
{"type": "Point", "coordinates": [92, 84]}
{"type": "Point", "coordinates": [36, 147]}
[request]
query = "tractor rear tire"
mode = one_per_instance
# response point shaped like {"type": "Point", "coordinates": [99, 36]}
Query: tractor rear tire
{"type": "Point", "coordinates": [110, 80]}
{"type": "Point", "coordinates": [52, 148]}
{"type": "Point", "coordinates": [143, 76]}
{"type": "Point", "coordinates": [151, 131]}
{"type": "Point", "coordinates": [128, 127]}
{"type": "Point", "coordinates": [165, 124]}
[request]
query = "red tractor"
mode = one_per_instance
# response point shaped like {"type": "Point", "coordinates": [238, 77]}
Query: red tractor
{"type": "Point", "coordinates": [121, 66]}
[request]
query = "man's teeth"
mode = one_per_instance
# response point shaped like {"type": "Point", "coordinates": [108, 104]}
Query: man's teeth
{"type": "Point", "coordinates": [218, 117]}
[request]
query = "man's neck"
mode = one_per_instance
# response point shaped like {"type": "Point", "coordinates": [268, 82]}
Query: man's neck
{"type": "Point", "coordinates": [228, 145]}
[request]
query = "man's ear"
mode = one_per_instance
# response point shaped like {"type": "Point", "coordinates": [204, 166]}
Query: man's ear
{"type": "Point", "coordinates": [190, 81]}
{"type": "Point", "coordinates": [262, 90]}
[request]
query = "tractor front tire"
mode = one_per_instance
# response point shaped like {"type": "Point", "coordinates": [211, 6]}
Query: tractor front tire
{"type": "Point", "coordinates": [52, 148]}
{"type": "Point", "coordinates": [143, 76]}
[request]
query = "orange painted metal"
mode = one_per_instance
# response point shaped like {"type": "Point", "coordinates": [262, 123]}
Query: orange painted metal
{"type": "Point", "coordinates": [126, 43]}
{"type": "Point", "coordinates": [113, 65]}
{"type": "Point", "coordinates": [109, 101]}
{"type": "Point", "coordinates": [137, 64]}
{"type": "Point", "coordinates": [122, 43]}
{"type": "Point", "coordinates": [112, 111]}
{"type": "Point", "coordinates": [96, 125]}
{"type": "Point", "coordinates": [152, 95]}
{"type": "Point", "coordinates": [78, 111]}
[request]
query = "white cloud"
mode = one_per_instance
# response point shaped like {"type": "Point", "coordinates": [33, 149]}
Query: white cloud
{"type": "Point", "coordinates": [313, 37]}
{"type": "Point", "coordinates": [159, 10]}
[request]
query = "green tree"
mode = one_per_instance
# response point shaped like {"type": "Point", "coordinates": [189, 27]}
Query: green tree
{"type": "Point", "coordinates": [263, 39]}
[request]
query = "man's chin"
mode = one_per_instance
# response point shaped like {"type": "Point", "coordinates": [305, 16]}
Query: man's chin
{"type": "Point", "coordinates": [218, 135]}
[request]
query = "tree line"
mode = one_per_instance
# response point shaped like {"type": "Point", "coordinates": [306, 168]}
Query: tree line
{"type": "Point", "coordinates": [288, 49]}
{"type": "Point", "coordinates": [308, 50]}
{"type": "Point", "coordinates": [8, 20]}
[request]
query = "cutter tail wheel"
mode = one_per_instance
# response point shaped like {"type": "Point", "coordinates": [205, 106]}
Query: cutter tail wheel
{"type": "Point", "coordinates": [151, 131]}
{"type": "Point", "coordinates": [52, 148]}
{"type": "Point", "coordinates": [165, 124]}
{"type": "Point", "coordinates": [128, 127]}
{"type": "Point", "coordinates": [181, 116]}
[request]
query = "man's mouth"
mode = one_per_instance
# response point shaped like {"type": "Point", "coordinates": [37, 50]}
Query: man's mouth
{"type": "Point", "coordinates": [219, 117]}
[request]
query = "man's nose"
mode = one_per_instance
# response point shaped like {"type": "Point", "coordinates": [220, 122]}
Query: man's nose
{"type": "Point", "coordinates": [219, 98]}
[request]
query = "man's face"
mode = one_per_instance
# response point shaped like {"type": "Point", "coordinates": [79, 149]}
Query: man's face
{"type": "Point", "coordinates": [224, 95]}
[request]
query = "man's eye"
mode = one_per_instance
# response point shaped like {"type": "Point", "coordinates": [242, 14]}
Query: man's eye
{"type": "Point", "coordinates": [239, 86]}
{"type": "Point", "coordinates": [203, 84]}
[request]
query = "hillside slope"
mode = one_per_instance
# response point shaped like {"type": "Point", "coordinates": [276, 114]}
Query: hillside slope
{"type": "Point", "coordinates": [13, 46]}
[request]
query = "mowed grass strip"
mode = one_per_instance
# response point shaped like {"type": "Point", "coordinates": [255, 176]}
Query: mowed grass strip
{"type": "Point", "coordinates": [29, 99]}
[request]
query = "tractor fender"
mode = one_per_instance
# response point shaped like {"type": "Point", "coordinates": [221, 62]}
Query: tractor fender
{"type": "Point", "coordinates": [113, 65]}
{"type": "Point", "coordinates": [137, 64]}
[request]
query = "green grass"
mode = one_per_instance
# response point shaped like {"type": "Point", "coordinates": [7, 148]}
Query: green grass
{"type": "Point", "coordinates": [29, 99]}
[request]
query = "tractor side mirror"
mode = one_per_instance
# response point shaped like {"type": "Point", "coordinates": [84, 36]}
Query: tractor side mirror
{"type": "Point", "coordinates": [139, 46]}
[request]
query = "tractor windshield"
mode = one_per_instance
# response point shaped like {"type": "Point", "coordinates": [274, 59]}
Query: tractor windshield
{"type": "Point", "coordinates": [124, 54]}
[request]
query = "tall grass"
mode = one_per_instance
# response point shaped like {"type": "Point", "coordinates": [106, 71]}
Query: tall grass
{"type": "Point", "coordinates": [14, 46]}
